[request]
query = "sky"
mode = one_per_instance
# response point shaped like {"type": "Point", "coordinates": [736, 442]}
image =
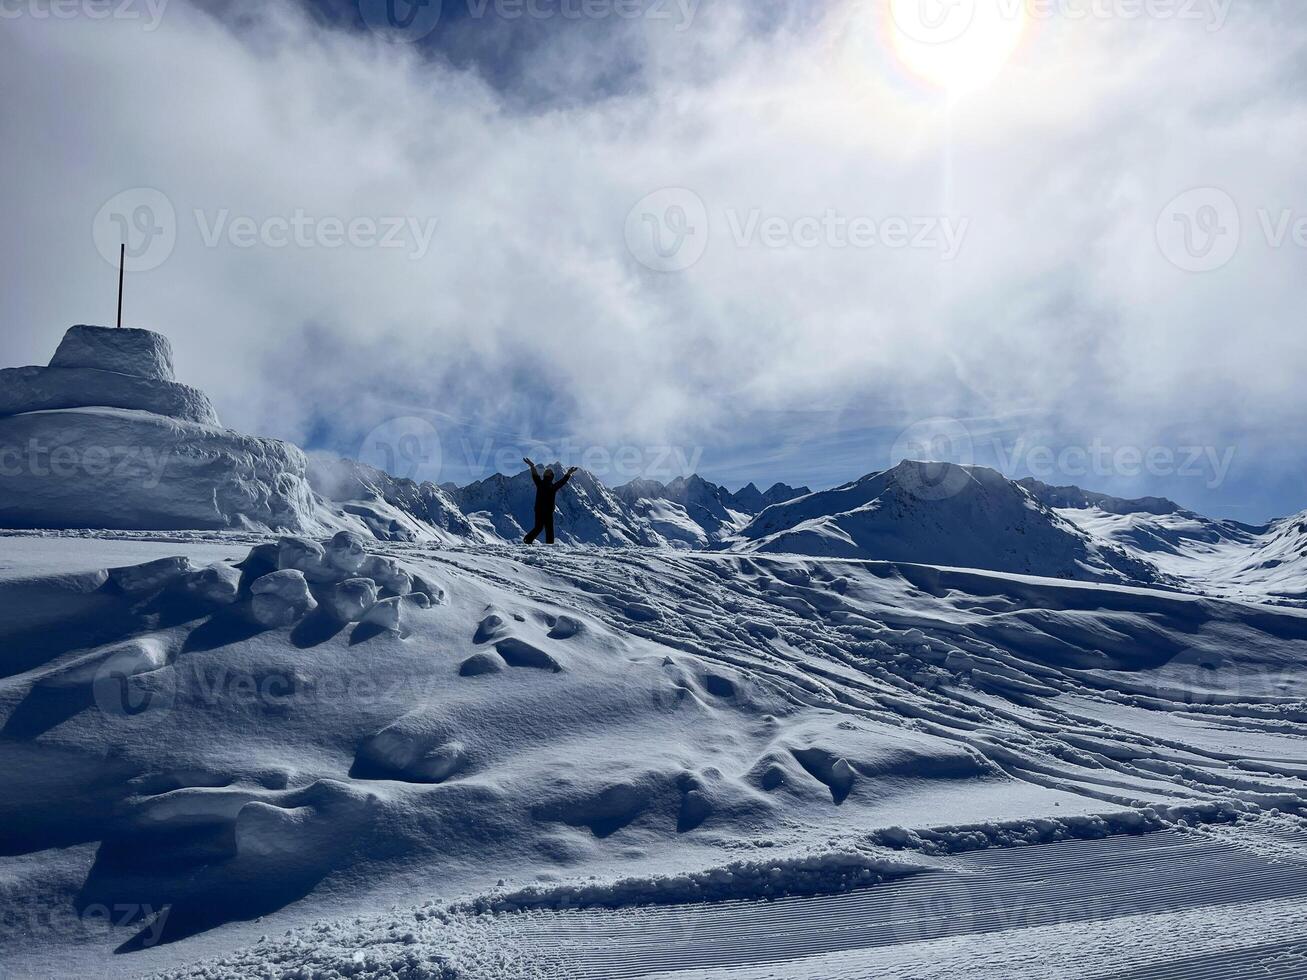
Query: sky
{"type": "Point", "coordinates": [760, 240]}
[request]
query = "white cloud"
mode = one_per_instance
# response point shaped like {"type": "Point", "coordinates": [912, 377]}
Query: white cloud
{"type": "Point", "coordinates": [529, 313]}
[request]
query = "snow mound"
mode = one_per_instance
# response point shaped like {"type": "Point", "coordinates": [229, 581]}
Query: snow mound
{"type": "Point", "coordinates": [38, 389]}
{"type": "Point", "coordinates": [941, 514]}
{"type": "Point", "coordinates": [105, 438]}
{"type": "Point", "coordinates": [110, 468]}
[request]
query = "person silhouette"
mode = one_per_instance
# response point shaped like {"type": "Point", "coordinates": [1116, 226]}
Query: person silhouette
{"type": "Point", "coordinates": [546, 500]}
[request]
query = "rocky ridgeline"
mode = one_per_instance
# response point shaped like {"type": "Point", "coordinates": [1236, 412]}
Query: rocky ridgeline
{"type": "Point", "coordinates": [104, 437]}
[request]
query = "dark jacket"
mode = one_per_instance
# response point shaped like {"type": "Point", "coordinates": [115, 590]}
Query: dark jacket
{"type": "Point", "coordinates": [547, 493]}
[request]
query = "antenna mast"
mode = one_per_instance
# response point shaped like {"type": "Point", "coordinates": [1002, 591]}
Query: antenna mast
{"type": "Point", "coordinates": [122, 258]}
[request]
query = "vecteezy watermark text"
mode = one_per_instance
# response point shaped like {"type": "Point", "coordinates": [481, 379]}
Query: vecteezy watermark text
{"type": "Point", "coordinates": [145, 221]}
{"type": "Point", "coordinates": [300, 229]}
{"type": "Point", "coordinates": [96, 920]}
{"type": "Point", "coordinates": [943, 22]}
{"type": "Point", "coordinates": [1098, 459]}
{"type": "Point", "coordinates": [119, 463]}
{"type": "Point", "coordinates": [411, 21]}
{"type": "Point", "coordinates": [939, 233]}
{"type": "Point", "coordinates": [149, 11]}
{"type": "Point", "coordinates": [670, 230]}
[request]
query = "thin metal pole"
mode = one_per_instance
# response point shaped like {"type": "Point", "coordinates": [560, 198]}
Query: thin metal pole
{"type": "Point", "coordinates": [122, 259]}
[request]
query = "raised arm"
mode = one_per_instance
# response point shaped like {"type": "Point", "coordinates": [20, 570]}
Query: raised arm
{"type": "Point", "coordinates": [566, 476]}
{"type": "Point", "coordinates": [535, 477]}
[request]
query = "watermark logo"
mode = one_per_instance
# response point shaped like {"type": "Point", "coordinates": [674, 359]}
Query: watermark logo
{"type": "Point", "coordinates": [408, 448]}
{"type": "Point", "coordinates": [125, 696]}
{"type": "Point", "coordinates": [401, 21]}
{"type": "Point", "coordinates": [941, 446]}
{"type": "Point", "coordinates": [667, 231]}
{"type": "Point", "coordinates": [144, 220]}
{"type": "Point", "coordinates": [1200, 230]}
{"type": "Point", "coordinates": [933, 21]}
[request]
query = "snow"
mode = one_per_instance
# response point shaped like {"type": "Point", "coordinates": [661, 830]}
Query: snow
{"type": "Point", "coordinates": [942, 514]}
{"type": "Point", "coordinates": [246, 692]}
{"type": "Point", "coordinates": [104, 438]}
{"type": "Point", "coordinates": [137, 353]}
{"type": "Point", "coordinates": [37, 389]}
{"type": "Point", "coordinates": [587, 725]}
{"type": "Point", "coordinates": [112, 468]}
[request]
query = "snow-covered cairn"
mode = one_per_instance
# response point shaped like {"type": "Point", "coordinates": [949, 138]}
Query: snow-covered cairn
{"type": "Point", "coordinates": [106, 438]}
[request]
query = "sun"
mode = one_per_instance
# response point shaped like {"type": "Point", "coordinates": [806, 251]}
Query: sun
{"type": "Point", "coordinates": [956, 45]}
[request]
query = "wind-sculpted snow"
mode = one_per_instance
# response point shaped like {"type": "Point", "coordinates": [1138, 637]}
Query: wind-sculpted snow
{"type": "Point", "coordinates": [110, 468]}
{"type": "Point", "coordinates": [558, 722]}
{"type": "Point", "coordinates": [105, 438]}
{"type": "Point", "coordinates": [39, 389]}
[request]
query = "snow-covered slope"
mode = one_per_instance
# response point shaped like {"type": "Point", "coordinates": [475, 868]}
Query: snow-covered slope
{"type": "Point", "coordinates": [1214, 556]}
{"type": "Point", "coordinates": [694, 511]}
{"type": "Point", "coordinates": [214, 750]}
{"type": "Point", "coordinates": [711, 508]}
{"type": "Point", "coordinates": [941, 514]}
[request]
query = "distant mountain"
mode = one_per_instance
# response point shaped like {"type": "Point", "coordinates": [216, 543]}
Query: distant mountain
{"type": "Point", "coordinates": [712, 509]}
{"type": "Point", "coordinates": [588, 512]}
{"type": "Point", "coordinates": [942, 514]}
{"type": "Point", "coordinates": [1276, 565]}
{"type": "Point", "coordinates": [751, 500]}
{"type": "Point", "coordinates": [391, 508]}
{"type": "Point", "coordinates": [1074, 498]}
{"type": "Point", "coordinates": [1150, 526]}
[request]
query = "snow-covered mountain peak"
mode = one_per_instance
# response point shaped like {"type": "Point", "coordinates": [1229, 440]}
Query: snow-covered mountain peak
{"type": "Point", "coordinates": [945, 514]}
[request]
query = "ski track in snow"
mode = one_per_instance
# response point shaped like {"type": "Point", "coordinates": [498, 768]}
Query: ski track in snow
{"type": "Point", "coordinates": [671, 727]}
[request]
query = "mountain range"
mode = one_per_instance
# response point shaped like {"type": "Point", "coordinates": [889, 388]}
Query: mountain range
{"type": "Point", "coordinates": [175, 467]}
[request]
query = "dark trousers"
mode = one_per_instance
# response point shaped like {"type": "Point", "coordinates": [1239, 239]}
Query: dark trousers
{"type": "Point", "coordinates": [544, 522]}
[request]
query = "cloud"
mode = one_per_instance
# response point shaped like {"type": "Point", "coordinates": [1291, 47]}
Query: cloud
{"type": "Point", "coordinates": [834, 190]}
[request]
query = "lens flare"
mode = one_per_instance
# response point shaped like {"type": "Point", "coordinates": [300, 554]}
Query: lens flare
{"type": "Point", "coordinates": [956, 45]}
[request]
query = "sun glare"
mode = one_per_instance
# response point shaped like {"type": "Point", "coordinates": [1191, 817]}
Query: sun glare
{"type": "Point", "coordinates": [956, 45]}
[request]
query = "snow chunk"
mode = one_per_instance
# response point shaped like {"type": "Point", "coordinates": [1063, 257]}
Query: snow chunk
{"type": "Point", "coordinates": [351, 599]}
{"type": "Point", "coordinates": [282, 598]}
{"type": "Point", "coordinates": [217, 583]}
{"type": "Point", "coordinates": [308, 557]}
{"type": "Point", "coordinates": [384, 614]}
{"type": "Point", "coordinates": [387, 574]}
{"type": "Point", "coordinates": [139, 353]}
{"type": "Point", "coordinates": [346, 552]}
{"type": "Point", "coordinates": [151, 577]}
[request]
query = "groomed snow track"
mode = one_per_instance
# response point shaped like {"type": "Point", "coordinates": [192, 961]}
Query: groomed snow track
{"type": "Point", "coordinates": [1071, 890]}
